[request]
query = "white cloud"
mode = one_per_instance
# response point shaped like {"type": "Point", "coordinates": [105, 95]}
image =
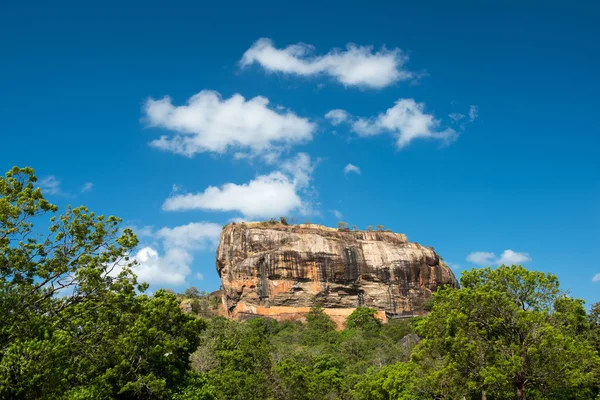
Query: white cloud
{"type": "Point", "coordinates": [454, 266]}
{"type": "Point", "coordinates": [596, 278]}
{"type": "Point", "coordinates": [481, 258]}
{"type": "Point", "coordinates": [456, 116]}
{"type": "Point", "coordinates": [50, 185]}
{"type": "Point", "coordinates": [207, 122]}
{"type": "Point", "coordinates": [356, 66]}
{"type": "Point", "coordinates": [337, 116]}
{"type": "Point", "coordinates": [473, 113]}
{"type": "Point", "coordinates": [508, 257]}
{"type": "Point", "coordinates": [195, 235]}
{"type": "Point", "coordinates": [142, 231]}
{"type": "Point", "coordinates": [265, 196]}
{"type": "Point", "coordinates": [173, 266]}
{"type": "Point", "coordinates": [300, 168]}
{"type": "Point", "coordinates": [87, 187]}
{"type": "Point", "coordinates": [199, 276]}
{"type": "Point", "coordinates": [351, 168]}
{"type": "Point", "coordinates": [337, 214]}
{"type": "Point", "coordinates": [407, 121]}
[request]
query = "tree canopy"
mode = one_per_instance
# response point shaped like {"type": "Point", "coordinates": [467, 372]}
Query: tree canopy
{"type": "Point", "coordinates": [507, 332]}
{"type": "Point", "coordinates": [76, 324]}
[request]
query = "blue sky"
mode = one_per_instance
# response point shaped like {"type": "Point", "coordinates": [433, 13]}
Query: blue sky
{"type": "Point", "coordinates": [473, 126]}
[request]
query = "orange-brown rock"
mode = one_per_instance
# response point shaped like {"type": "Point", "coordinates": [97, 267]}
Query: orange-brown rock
{"type": "Point", "coordinates": [280, 271]}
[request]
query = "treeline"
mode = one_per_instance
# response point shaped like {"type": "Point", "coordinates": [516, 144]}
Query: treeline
{"type": "Point", "coordinates": [508, 333]}
{"type": "Point", "coordinates": [75, 324]}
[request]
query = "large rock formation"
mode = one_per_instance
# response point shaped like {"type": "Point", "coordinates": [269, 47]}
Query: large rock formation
{"type": "Point", "coordinates": [281, 270]}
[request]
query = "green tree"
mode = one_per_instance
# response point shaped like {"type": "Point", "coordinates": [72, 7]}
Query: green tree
{"type": "Point", "coordinates": [503, 334]}
{"type": "Point", "coordinates": [192, 292]}
{"type": "Point", "coordinates": [364, 318]}
{"type": "Point", "coordinates": [593, 318]}
{"type": "Point", "coordinates": [428, 304]}
{"type": "Point", "coordinates": [243, 363]}
{"type": "Point", "coordinates": [342, 225]}
{"type": "Point", "coordinates": [317, 319]}
{"type": "Point", "coordinates": [391, 382]}
{"type": "Point", "coordinates": [319, 327]}
{"type": "Point", "coordinates": [398, 328]}
{"type": "Point", "coordinates": [327, 378]}
{"type": "Point", "coordinates": [201, 306]}
{"type": "Point", "coordinates": [137, 348]}
{"type": "Point", "coordinates": [293, 380]}
{"type": "Point", "coordinates": [215, 301]}
{"type": "Point", "coordinates": [594, 321]}
{"type": "Point", "coordinates": [72, 325]}
{"type": "Point", "coordinates": [197, 387]}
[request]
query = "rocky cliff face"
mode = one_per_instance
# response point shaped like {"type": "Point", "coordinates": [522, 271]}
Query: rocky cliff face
{"type": "Point", "coordinates": [282, 270]}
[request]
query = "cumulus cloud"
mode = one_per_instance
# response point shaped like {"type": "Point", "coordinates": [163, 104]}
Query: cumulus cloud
{"type": "Point", "coordinates": [337, 116]}
{"type": "Point", "coordinates": [407, 121]}
{"type": "Point", "coordinates": [359, 66]}
{"type": "Point", "coordinates": [481, 258]}
{"type": "Point", "coordinates": [172, 265]}
{"type": "Point", "coordinates": [87, 187]}
{"type": "Point", "coordinates": [300, 168]}
{"type": "Point", "coordinates": [142, 231]}
{"type": "Point", "coordinates": [195, 235]}
{"type": "Point", "coordinates": [265, 196]}
{"type": "Point", "coordinates": [209, 123]}
{"type": "Point", "coordinates": [596, 278]}
{"type": "Point", "coordinates": [171, 268]}
{"type": "Point", "coordinates": [351, 168]}
{"type": "Point", "coordinates": [50, 185]}
{"type": "Point", "coordinates": [508, 257]}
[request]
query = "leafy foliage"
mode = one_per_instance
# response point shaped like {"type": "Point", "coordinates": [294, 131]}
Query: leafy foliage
{"type": "Point", "coordinates": [342, 225]}
{"type": "Point", "coordinates": [75, 324]}
{"type": "Point", "coordinates": [72, 323]}
{"type": "Point", "coordinates": [364, 318]}
{"type": "Point", "coordinates": [510, 333]}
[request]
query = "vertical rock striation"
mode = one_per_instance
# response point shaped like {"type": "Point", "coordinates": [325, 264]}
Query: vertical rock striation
{"type": "Point", "coordinates": [282, 270]}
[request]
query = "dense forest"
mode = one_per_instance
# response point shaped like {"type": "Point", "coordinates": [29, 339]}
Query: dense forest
{"type": "Point", "coordinates": [76, 324]}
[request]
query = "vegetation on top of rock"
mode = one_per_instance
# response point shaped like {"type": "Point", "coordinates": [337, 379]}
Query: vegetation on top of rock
{"type": "Point", "coordinates": [293, 222]}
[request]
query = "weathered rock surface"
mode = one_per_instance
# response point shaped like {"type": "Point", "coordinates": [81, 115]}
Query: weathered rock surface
{"type": "Point", "coordinates": [282, 270]}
